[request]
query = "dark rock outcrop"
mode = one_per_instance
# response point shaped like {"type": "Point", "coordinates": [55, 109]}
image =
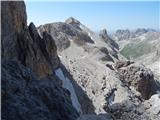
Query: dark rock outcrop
{"type": "Point", "coordinates": [141, 78]}
{"type": "Point", "coordinates": [106, 56]}
{"type": "Point", "coordinates": [61, 40]}
{"type": "Point", "coordinates": [126, 110]}
{"type": "Point", "coordinates": [28, 95]}
{"type": "Point", "coordinates": [104, 36]}
{"type": "Point", "coordinates": [24, 97]}
{"type": "Point", "coordinates": [24, 44]}
{"type": "Point", "coordinates": [45, 49]}
{"type": "Point", "coordinates": [13, 21]}
{"type": "Point", "coordinates": [111, 43]}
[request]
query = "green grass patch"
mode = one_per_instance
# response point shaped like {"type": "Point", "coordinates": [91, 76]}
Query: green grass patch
{"type": "Point", "coordinates": [136, 49]}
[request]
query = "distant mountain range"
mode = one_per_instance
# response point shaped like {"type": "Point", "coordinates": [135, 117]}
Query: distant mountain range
{"type": "Point", "coordinates": [128, 34]}
{"type": "Point", "coordinates": [141, 45]}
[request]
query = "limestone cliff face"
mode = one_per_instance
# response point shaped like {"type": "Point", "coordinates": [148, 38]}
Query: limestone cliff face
{"type": "Point", "coordinates": [64, 32]}
{"type": "Point", "coordinates": [23, 43]}
{"type": "Point", "coordinates": [30, 89]}
{"type": "Point", "coordinates": [13, 21]}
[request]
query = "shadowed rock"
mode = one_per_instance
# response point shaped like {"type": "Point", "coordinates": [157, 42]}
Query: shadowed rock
{"type": "Point", "coordinates": [26, 95]}
{"type": "Point", "coordinates": [13, 21]}
{"type": "Point", "coordinates": [27, 98]}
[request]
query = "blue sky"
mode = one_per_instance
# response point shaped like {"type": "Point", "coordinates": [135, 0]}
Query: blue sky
{"type": "Point", "coordinates": [97, 15]}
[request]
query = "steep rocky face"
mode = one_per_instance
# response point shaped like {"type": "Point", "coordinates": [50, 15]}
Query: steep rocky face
{"type": "Point", "coordinates": [12, 24]}
{"type": "Point", "coordinates": [61, 40]}
{"type": "Point", "coordinates": [64, 32]}
{"type": "Point", "coordinates": [26, 94]}
{"type": "Point", "coordinates": [78, 25]}
{"type": "Point", "coordinates": [104, 36]}
{"type": "Point", "coordinates": [44, 50]}
{"type": "Point", "coordinates": [37, 53]}
{"type": "Point", "coordinates": [113, 46]}
{"type": "Point", "coordinates": [24, 44]}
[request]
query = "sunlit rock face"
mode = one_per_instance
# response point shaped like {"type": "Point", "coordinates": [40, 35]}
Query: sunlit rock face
{"type": "Point", "coordinates": [64, 32]}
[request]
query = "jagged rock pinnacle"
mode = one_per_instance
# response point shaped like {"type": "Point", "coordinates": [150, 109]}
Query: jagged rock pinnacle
{"type": "Point", "coordinates": [72, 20]}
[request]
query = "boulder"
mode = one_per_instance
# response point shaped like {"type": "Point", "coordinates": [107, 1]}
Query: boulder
{"type": "Point", "coordinates": [127, 110]}
{"type": "Point", "coordinates": [141, 78]}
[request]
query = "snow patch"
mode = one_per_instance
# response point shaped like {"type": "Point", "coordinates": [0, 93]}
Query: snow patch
{"type": "Point", "coordinates": [68, 85]}
{"type": "Point", "coordinates": [60, 56]}
{"type": "Point", "coordinates": [82, 27]}
{"type": "Point", "coordinates": [89, 32]}
{"type": "Point", "coordinates": [40, 33]}
{"type": "Point", "coordinates": [142, 37]}
{"type": "Point", "coordinates": [90, 35]}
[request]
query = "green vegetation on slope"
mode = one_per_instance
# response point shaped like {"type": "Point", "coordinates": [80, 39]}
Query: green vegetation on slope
{"type": "Point", "coordinates": [136, 49]}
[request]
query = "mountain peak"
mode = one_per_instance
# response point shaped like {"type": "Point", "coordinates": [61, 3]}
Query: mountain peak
{"type": "Point", "coordinates": [103, 32]}
{"type": "Point", "coordinates": [72, 20]}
